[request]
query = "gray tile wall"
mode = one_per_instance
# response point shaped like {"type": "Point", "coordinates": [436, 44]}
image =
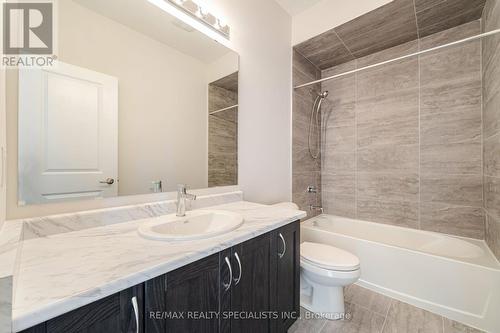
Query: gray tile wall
{"type": "Point", "coordinates": [395, 23]}
{"type": "Point", "coordinates": [403, 141]}
{"type": "Point", "coordinates": [306, 171]}
{"type": "Point", "coordinates": [222, 137]}
{"type": "Point", "coordinates": [491, 126]}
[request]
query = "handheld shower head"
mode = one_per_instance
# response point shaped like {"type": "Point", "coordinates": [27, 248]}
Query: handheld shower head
{"type": "Point", "coordinates": [315, 125]}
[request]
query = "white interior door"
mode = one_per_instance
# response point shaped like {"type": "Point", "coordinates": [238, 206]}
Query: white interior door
{"type": "Point", "coordinates": [68, 134]}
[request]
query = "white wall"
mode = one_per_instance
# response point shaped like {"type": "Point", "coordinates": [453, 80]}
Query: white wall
{"type": "Point", "coordinates": [224, 66]}
{"type": "Point", "coordinates": [261, 34]}
{"type": "Point", "coordinates": [329, 14]}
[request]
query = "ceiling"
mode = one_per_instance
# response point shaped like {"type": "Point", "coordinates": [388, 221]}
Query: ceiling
{"type": "Point", "coordinates": [294, 7]}
{"type": "Point", "coordinates": [395, 23]}
{"type": "Point", "coordinates": [159, 25]}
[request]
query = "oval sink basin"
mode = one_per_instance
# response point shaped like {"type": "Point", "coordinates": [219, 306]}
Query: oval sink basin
{"type": "Point", "coordinates": [198, 224]}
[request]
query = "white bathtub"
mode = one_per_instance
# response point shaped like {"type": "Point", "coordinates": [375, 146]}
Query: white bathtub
{"type": "Point", "coordinates": [458, 278]}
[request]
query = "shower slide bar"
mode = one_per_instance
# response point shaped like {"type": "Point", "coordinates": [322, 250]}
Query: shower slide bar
{"type": "Point", "coordinates": [468, 39]}
{"type": "Point", "coordinates": [224, 109]}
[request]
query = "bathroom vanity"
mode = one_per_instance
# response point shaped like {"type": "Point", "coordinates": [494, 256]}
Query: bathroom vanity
{"type": "Point", "coordinates": [246, 280]}
{"type": "Point", "coordinates": [264, 277]}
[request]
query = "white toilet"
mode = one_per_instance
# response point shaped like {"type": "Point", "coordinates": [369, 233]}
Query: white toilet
{"type": "Point", "coordinates": [324, 272]}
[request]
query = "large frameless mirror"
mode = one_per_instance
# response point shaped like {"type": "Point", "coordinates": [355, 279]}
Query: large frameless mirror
{"type": "Point", "coordinates": [138, 102]}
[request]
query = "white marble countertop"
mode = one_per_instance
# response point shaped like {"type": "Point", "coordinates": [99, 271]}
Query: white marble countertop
{"type": "Point", "coordinates": [62, 272]}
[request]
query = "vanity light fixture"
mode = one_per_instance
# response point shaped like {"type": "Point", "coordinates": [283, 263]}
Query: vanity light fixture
{"type": "Point", "coordinates": [196, 16]}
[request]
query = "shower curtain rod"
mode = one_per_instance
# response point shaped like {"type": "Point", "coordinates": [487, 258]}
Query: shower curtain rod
{"type": "Point", "coordinates": [468, 39]}
{"type": "Point", "coordinates": [224, 109]}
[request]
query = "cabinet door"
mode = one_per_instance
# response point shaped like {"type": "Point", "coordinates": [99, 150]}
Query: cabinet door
{"type": "Point", "coordinates": [193, 291]}
{"type": "Point", "coordinates": [288, 274]}
{"type": "Point", "coordinates": [250, 292]}
{"type": "Point", "coordinates": [225, 284]}
{"type": "Point", "coordinates": [115, 313]}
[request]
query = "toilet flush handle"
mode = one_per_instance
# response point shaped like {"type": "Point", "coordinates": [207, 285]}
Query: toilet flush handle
{"type": "Point", "coordinates": [284, 246]}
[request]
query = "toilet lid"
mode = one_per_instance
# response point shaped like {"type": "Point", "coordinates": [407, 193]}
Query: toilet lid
{"type": "Point", "coordinates": [329, 257]}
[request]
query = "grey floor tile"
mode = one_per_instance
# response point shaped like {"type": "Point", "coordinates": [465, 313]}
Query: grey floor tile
{"type": "Point", "coordinates": [406, 318]}
{"type": "Point", "coordinates": [373, 301]}
{"type": "Point", "coordinates": [361, 320]}
{"type": "Point", "coordinates": [307, 324]}
{"type": "Point", "coordinates": [451, 326]}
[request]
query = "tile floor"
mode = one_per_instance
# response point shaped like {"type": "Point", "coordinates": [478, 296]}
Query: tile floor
{"type": "Point", "coordinates": [375, 313]}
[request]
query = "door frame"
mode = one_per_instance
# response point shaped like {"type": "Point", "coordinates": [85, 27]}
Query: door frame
{"type": "Point", "coordinates": [3, 134]}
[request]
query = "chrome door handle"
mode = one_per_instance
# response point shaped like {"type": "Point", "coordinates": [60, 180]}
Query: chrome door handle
{"type": "Point", "coordinates": [109, 181]}
{"type": "Point", "coordinates": [228, 285]}
{"type": "Point", "coordinates": [284, 246]}
{"type": "Point", "coordinates": [136, 313]}
{"type": "Point", "coordinates": [236, 281]}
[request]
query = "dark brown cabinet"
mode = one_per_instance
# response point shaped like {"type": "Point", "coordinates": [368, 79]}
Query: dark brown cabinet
{"type": "Point", "coordinates": [221, 293]}
{"type": "Point", "coordinates": [186, 299]}
{"type": "Point", "coordinates": [251, 291]}
{"type": "Point", "coordinates": [121, 312]}
{"type": "Point", "coordinates": [288, 275]}
{"type": "Point", "coordinates": [251, 287]}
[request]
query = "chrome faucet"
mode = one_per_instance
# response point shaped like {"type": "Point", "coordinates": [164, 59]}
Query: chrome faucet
{"type": "Point", "coordinates": [182, 195]}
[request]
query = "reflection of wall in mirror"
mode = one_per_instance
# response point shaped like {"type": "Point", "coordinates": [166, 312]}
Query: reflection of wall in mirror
{"type": "Point", "coordinates": [162, 128]}
{"type": "Point", "coordinates": [223, 131]}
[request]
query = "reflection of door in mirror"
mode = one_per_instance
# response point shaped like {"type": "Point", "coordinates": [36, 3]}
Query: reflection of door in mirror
{"type": "Point", "coordinates": [68, 134]}
{"type": "Point", "coordinates": [223, 131]}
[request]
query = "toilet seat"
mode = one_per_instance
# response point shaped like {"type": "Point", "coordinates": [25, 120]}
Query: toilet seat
{"type": "Point", "coordinates": [328, 257]}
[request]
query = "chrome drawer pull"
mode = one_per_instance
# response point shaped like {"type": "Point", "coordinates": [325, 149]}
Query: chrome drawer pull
{"type": "Point", "coordinates": [236, 281]}
{"type": "Point", "coordinates": [284, 246]}
{"type": "Point", "coordinates": [136, 312]}
{"type": "Point", "coordinates": [228, 285]}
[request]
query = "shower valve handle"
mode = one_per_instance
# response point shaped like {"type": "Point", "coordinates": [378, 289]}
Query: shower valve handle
{"type": "Point", "coordinates": [312, 189]}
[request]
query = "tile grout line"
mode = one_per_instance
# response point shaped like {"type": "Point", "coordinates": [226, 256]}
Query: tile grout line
{"type": "Point", "coordinates": [309, 61]}
{"type": "Point", "coordinates": [482, 138]}
{"type": "Point", "coordinates": [492, 136]}
{"type": "Point", "coordinates": [345, 45]}
{"type": "Point", "coordinates": [419, 136]}
{"type": "Point", "coordinates": [323, 326]}
{"type": "Point", "coordinates": [356, 140]}
{"type": "Point", "coordinates": [387, 315]}
{"type": "Point", "coordinates": [416, 22]}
